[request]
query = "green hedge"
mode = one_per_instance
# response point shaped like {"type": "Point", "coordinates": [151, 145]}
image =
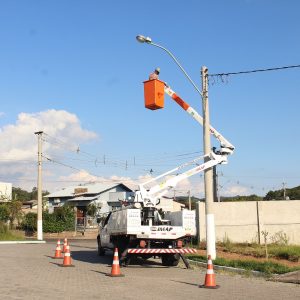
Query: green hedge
{"type": "Point", "coordinates": [62, 219]}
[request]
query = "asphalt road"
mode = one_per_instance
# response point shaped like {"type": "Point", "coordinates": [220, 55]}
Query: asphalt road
{"type": "Point", "coordinates": [28, 272]}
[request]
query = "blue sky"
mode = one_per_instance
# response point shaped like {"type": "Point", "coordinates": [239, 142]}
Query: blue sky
{"type": "Point", "coordinates": [75, 69]}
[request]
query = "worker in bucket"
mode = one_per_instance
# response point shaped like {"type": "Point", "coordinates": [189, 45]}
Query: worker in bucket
{"type": "Point", "coordinates": [155, 74]}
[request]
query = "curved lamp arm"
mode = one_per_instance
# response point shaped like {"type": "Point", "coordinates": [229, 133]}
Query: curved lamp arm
{"type": "Point", "coordinates": [147, 40]}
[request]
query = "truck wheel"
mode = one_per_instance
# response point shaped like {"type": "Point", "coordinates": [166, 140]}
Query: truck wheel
{"type": "Point", "coordinates": [101, 251]}
{"type": "Point", "coordinates": [170, 260]}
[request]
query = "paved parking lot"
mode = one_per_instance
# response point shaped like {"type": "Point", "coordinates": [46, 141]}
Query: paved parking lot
{"type": "Point", "coordinates": [29, 272]}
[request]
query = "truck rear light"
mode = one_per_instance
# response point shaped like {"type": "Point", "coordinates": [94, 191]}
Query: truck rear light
{"type": "Point", "coordinates": [142, 243]}
{"type": "Point", "coordinates": [179, 243]}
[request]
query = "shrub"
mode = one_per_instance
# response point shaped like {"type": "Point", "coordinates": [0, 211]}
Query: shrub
{"type": "Point", "coordinates": [4, 213]}
{"type": "Point", "coordinates": [227, 243]}
{"type": "Point", "coordinates": [3, 228]}
{"type": "Point", "coordinates": [92, 209]}
{"type": "Point", "coordinates": [62, 219]}
{"type": "Point", "coordinates": [280, 238]}
{"type": "Point", "coordinates": [29, 222]}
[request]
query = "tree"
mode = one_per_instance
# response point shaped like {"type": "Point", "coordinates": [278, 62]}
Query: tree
{"type": "Point", "coordinates": [22, 195]}
{"type": "Point", "coordinates": [293, 194]}
{"type": "Point", "coordinates": [15, 211]}
{"type": "Point", "coordinates": [92, 210]}
{"type": "Point", "coordinates": [238, 198]}
{"type": "Point", "coordinates": [34, 193]}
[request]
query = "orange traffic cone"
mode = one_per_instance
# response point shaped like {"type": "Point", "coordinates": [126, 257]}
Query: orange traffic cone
{"type": "Point", "coordinates": [65, 245]}
{"type": "Point", "coordinates": [67, 258]}
{"type": "Point", "coordinates": [115, 268]}
{"type": "Point", "coordinates": [210, 280]}
{"type": "Point", "coordinates": [58, 251]}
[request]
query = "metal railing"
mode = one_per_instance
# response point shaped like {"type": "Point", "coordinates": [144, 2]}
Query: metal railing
{"type": "Point", "coordinates": [83, 223]}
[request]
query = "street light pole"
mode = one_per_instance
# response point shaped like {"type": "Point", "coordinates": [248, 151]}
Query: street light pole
{"type": "Point", "coordinates": [208, 174]}
{"type": "Point", "coordinates": [39, 189]}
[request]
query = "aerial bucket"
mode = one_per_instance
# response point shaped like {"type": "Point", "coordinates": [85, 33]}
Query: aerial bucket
{"type": "Point", "coordinates": [154, 94]}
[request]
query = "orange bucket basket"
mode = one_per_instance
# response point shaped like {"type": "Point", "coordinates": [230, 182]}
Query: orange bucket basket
{"type": "Point", "coordinates": [154, 94]}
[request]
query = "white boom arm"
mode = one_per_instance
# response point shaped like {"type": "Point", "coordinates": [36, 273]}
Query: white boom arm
{"type": "Point", "coordinates": [226, 146]}
{"type": "Point", "coordinates": [149, 197]}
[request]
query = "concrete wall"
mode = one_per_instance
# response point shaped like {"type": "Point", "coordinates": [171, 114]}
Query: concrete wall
{"type": "Point", "coordinates": [244, 221]}
{"type": "Point", "coordinates": [169, 205]}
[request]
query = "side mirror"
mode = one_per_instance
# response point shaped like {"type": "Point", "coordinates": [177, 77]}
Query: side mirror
{"type": "Point", "coordinates": [98, 220]}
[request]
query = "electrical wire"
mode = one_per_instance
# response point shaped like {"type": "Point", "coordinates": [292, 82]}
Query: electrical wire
{"type": "Point", "coordinates": [254, 71]}
{"type": "Point", "coordinates": [109, 161]}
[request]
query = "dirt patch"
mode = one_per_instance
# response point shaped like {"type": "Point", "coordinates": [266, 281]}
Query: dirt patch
{"type": "Point", "coordinates": [235, 256]}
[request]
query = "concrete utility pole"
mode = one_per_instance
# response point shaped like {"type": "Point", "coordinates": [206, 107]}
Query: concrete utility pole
{"type": "Point", "coordinates": [39, 189]}
{"type": "Point", "coordinates": [208, 174]}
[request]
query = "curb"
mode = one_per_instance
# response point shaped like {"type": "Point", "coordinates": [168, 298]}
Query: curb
{"type": "Point", "coordinates": [228, 269]}
{"type": "Point", "coordinates": [21, 242]}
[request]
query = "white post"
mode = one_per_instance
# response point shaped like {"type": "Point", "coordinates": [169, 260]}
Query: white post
{"type": "Point", "coordinates": [208, 174]}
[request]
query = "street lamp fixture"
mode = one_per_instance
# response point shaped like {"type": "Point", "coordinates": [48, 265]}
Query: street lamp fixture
{"type": "Point", "coordinates": [142, 39]}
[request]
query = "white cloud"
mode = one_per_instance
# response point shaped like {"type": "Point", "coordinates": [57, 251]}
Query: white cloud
{"type": "Point", "coordinates": [235, 190]}
{"type": "Point", "coordinates": [84, 176]}
{"type": "Point", "coordinates": [18, 149]}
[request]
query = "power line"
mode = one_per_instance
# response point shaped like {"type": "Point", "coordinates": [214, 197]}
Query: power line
{"type": "Point", "coordinates": [254, 71]}
{"type": "Point", "coordinates": [62, 164]}
{"type": "Point", "coordinates": [107, 160]}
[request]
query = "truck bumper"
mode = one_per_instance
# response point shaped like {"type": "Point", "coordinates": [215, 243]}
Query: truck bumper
{"type": "Point", "coordinates": [161, 251]}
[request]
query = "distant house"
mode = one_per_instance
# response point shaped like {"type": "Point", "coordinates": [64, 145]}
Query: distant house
{"type": "Point", "coordinates": [29, 206]}
{"type": "Point", "coordinates": [106, 197]}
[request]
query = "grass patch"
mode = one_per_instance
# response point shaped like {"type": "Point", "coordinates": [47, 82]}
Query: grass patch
{"type": "Point", "coordinates": [288, 252]}
{"type": "Point", "coordinates": [266, 267]}
{"type": "Point", "coordinates": [7, 235]}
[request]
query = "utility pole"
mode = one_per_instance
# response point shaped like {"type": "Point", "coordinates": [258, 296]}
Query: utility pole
{"type": "Point", "coordinates": [208, 174]}
{"type": "Point", "coordinates": [190, 204]}
{"type": "Point", "coordinates": [39, 188]}
{"type": "Point", "coordinates": [283, 187]}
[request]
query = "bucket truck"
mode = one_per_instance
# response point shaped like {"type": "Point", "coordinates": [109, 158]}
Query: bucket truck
{"type": "Point", "coordinates": [139, 227]}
